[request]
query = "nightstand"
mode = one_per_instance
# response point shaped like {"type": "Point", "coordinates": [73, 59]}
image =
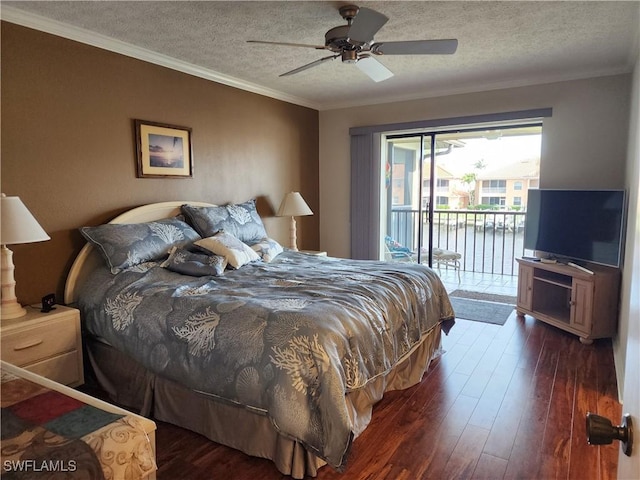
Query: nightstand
{"type": "Point", "coordinates": [49, 344]}
{"type": "Point", "coordinates": [314, 252]}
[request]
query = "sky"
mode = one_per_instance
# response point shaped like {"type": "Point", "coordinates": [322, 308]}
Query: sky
{"type": "Point", "coordinates": [495, 153]}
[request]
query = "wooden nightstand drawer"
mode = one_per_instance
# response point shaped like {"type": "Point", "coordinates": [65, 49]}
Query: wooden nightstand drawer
{"type": "Point", "coordinates": [62, 369]}
{"type": "Point", "coordinates": [33, 344]}
{"type": "Point", "coordinates": [47, 343]}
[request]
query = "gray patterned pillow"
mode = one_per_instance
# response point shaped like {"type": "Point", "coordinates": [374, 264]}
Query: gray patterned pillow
{"type": "Point", "coordinates": [268, 249]}
{"type": "Point", "coordinates": [127, 245]}
{"type": "Point", "coordinates": [236, 252]}
{"type": "Point", "coordinates": [240, 220]}
{"type": "Point", "coordinates": [195, 264]}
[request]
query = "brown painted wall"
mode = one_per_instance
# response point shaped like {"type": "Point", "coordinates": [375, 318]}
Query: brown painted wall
{"type": "Point", "coordinates": [68, 147]}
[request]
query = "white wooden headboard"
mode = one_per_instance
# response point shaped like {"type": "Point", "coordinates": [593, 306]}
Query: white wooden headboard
{"type": "Point", "coordinates": [89, 258]}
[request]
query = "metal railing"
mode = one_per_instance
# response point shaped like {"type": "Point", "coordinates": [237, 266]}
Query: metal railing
{"type": "Point", "coordinates": [488, 241]}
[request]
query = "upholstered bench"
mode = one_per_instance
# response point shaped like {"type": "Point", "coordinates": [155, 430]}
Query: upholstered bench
{"type": "Point", "coordinates": [447, 258]}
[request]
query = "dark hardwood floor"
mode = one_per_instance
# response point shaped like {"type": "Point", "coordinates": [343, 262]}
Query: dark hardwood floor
{"type": "Point", "coordinates": [501, 402]}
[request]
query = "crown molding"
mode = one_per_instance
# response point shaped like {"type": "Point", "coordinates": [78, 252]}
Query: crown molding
{"type": "Point", "coordinates": [61, 29]}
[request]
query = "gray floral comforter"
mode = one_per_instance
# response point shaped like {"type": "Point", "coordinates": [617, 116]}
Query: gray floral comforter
{"type": "Point", "coordinates": [287, 338]}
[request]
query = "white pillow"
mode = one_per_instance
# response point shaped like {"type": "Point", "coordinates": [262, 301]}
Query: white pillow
{"type": "Point", "coordinates": [228, 246]}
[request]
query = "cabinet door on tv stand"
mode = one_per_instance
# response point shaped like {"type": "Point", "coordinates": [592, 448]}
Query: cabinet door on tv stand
{"type": "Point", "coordinates": [525, 288]}
{"type": "Point", "coordinates": [582, 305]}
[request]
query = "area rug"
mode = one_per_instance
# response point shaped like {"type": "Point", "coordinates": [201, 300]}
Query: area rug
{"type": "Point", "coordinates": [481, 311]}
{"type": "Point", "coordinates": [488, 297]}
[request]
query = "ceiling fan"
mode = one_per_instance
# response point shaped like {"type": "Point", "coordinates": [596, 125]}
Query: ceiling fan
{"type": "Point", "coordinates": [354, 44]}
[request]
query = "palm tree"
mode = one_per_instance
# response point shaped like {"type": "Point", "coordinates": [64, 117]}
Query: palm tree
{"type": "Point", "coordinates": [480, 164]}
{"type": "Point", "coordinates": [469, 180]}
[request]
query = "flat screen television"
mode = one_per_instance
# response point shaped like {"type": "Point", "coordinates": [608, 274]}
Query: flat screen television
{"type": "Point", "coordinates": [584, 225]}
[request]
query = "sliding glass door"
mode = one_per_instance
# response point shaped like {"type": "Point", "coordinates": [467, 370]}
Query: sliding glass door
{"type": "Point", "coordinates": [460, 193]}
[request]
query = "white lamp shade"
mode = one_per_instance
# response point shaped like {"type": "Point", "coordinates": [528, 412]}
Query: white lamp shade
{"type": "Point", "coordinates": [293, 205]}
{"type": "Point", "coordinates": [18, 224]}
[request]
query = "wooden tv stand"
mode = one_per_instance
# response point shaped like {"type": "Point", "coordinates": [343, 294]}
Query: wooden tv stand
{"type": "Point", "coordinates": [568, 298]}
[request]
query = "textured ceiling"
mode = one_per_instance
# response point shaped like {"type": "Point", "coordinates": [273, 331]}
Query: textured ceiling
{"type": "Point", "coordinates": [501, 44]}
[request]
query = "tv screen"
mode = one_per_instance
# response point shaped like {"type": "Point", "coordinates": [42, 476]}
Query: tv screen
{"type": "Point", "coordinates": [576, 224]}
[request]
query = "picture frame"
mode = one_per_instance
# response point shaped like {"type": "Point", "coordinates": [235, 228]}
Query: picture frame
{"type": "Point", "coordinates": [163, 150]}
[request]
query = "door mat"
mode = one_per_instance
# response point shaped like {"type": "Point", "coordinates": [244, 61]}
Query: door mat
{"type": "Point", "coordinates": [488, 297]}
{"type": "Point", "coordinates": [481, 311]}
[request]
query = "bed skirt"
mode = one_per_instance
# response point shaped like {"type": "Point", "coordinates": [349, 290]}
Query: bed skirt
{"type": "Point", "coordinates": [129, 384]}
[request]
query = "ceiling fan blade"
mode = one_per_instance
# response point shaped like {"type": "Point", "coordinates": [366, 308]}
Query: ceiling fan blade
{"type": "Point", "coordinates": [287, 44]}
{"type": "Point", "coordinates": [373, 68]}
{"type": "Point", "coordinates": [309, 65]}
{"type": "Point", "coordinates": [365, 25]}
{"type": "Point", "coordinates": [416, 47]}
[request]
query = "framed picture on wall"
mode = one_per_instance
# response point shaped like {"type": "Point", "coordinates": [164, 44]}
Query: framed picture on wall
{"type": "Point", "coordinates": [163, 151]}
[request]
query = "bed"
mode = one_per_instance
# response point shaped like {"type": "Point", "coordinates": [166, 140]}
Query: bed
{"type": "Point", "coordinates": [281, 357]}
{"type": "Point", "coordinates": [52, 431]}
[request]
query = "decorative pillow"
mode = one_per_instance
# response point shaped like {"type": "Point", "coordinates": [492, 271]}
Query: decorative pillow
{"type": "Point", "coordinates": [240, 220]}
{"type": "Point", "coordinates": [268, 249]}
{"type": "Point", "coordinates": [195, 264]}
{"type": "Point", "coordinates": [225, 244]}
{"type": "Point", "coordinates": [127, 245]}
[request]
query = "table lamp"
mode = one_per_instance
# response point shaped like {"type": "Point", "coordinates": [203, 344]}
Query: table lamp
{"type": "Point", "coordinates": [293, 205]}
{"type": "Point", "coordinates": [18, 226]}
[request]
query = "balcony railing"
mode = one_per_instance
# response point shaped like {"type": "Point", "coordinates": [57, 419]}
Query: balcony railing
{"type": "Point", "coordinates": [489, 241]}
